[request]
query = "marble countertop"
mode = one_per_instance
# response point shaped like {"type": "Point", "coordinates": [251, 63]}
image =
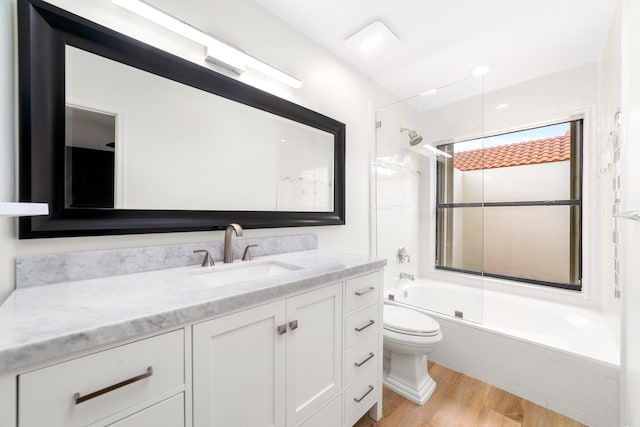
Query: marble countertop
{"type": "Point", "coordinates": [44, 322]}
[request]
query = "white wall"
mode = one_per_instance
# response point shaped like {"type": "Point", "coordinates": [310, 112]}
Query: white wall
{"type": "Point", "coordinates": [330, 88]}
{"type": "Point", "coordinates": [630, 245]}
{"type": "Point", "coordinates": [7, 225]}
{"type": "Point", "coordinates": [609, 103]}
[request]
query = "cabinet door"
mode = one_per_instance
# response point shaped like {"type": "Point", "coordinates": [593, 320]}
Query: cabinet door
{"type": "Point", "coordinates": [238, 369]}
{"type": "Point", "coordinates": [314, 351]}
{"type": "Point", "coordinates": [329, 416]}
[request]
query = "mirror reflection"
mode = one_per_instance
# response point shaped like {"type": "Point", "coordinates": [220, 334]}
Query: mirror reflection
{"type": "Point", "coordinates": [135, 140]}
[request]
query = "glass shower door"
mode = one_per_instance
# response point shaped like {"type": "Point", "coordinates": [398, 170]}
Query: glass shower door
{"type": "Point", "coordinates": [428, 219]}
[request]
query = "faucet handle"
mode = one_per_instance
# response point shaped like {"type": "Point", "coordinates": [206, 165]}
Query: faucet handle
{"type": "Point", "coordinates": [402, 255]}
{"type": "Point", "coordinates": [207, 261]}
{"type": "Point", "coordinates": [247, 253]}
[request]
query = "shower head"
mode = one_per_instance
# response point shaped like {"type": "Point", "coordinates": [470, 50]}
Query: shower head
{"type": "Point", "coordinates": [414, 138]}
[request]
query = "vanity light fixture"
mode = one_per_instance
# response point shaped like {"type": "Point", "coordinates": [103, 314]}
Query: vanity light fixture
{"type": "Point", "coordinates": [481, 70]}
{"type": "Point", "coordinates": [372, 39]}
{"type": "Point", "coordinates": [217, 52]}
{"type": "Point", "coordinates": [23, 209]}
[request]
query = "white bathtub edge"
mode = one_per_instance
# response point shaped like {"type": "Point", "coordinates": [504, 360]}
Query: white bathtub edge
{"type": "Point", "coordinates": [500, 363]}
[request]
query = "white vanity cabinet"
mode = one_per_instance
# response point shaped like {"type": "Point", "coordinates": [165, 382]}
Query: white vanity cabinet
{"type": "Point", "coordinates": [363, 348]}
{"type": "Point", "coordinates": [274, 365]}
{"type": "Point", "coordinates": [106, 387]}
{"type": "Point", "coordinates": [308, 358]}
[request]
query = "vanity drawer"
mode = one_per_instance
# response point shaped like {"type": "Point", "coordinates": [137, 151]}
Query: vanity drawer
{"type": "Point", "coordinates": [359, 358]}
{"type": "Point", "coordinates": [361, 325]}
{"type": "Point", "coordinates": [106, 382]}
{"type": "Point", "coordinates": [168, 413]}
{"type": "Point", "coordinates": [361, 395]}
{"type": "Point", "coordinates": [361, 291]}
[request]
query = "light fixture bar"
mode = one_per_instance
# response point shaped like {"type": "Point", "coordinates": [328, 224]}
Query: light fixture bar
{"type": "Point", "coordinates": [216, 51]}
{"type": "Point", "coordinates": [23, 209]}
{"type": "Point", "coordinates": [270, 71]}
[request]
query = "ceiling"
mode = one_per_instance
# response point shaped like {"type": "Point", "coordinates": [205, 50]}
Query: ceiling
{"type": "Point", "coordinates": [441, 42]}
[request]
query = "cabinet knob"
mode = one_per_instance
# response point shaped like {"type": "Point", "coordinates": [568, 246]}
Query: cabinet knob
{"type": "Point", "coordinates": [282, 329]}
{"type": "Point", "coordinates": [293, 325]}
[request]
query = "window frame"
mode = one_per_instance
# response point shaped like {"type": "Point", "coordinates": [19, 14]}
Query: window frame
{"type": "Point", "coordinates": [575, 201]}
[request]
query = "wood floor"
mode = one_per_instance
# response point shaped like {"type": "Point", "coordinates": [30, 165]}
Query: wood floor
{"type": "Point", "coordinates": [461, 401]}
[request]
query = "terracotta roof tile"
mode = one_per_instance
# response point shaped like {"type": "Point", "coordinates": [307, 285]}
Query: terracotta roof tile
{"type": "Point", "coordinates": [547, 150]}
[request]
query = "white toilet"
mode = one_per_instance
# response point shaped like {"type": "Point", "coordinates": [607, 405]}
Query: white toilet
{"type": "Point", "coordinates": [409, 336]}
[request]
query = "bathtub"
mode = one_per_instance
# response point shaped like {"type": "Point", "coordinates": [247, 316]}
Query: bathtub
{"type": "Point", "coordinates": [556, 355]}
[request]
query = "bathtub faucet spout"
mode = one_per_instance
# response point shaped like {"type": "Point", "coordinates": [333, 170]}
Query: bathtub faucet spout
{"type": "Point", "coordinates": [407, 276]}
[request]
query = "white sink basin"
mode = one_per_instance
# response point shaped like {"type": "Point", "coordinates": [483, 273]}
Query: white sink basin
{"type": "Point", "coordinates": [224, 274]}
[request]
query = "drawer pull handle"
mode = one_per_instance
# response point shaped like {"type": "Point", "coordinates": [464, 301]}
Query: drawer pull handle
{"type": "Point", "coordinates": [363, 291]}
{"type": "Point", "coordinates": [364, 395]}
{"type": "Point", "coordinates": [369, 357]}
{"type": "Point", "coordinates": [293, 325]}
{"type": "Point", "coordinates": [79, 399]}
{"type": "Point", "coordinates": [371, 322]}
{"type": "Point", "coordinates": [282, 329]}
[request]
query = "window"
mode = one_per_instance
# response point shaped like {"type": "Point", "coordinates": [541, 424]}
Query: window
{"type": "Point", "coordinates": [510, 206]}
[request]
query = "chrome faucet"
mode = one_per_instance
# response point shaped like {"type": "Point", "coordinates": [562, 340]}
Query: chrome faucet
{"type": "Point", "coordinates": [407, 276]}
{"type": "Point", "coordinates": [228, 247]}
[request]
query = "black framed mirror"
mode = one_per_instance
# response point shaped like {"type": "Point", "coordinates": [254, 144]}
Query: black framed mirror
{"type": "Point", "coordinates": [293, 157]}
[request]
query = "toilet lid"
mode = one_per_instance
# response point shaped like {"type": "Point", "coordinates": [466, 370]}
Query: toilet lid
{"type": "Point", "coordinates": [406, 320]}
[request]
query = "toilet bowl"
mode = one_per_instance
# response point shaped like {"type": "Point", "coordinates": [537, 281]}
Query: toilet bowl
{"type": "Point", "coordinates": [409, 336]}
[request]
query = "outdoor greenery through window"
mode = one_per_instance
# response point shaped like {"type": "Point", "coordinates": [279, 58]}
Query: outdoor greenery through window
{"type": "Point", "coordinates": [510, 206]}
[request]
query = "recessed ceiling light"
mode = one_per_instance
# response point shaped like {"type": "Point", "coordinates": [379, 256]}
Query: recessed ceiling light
{"type": "Point", "coordinates": [480, 70]}
{"type": "Point", "coordinates": [429, 92]}
{"type": "Point", "coordinates": [371, 43]}
{"type": "Point", "coordinates": [501, 106]}
{"type": "Point", "coordinates": [372, 40]}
